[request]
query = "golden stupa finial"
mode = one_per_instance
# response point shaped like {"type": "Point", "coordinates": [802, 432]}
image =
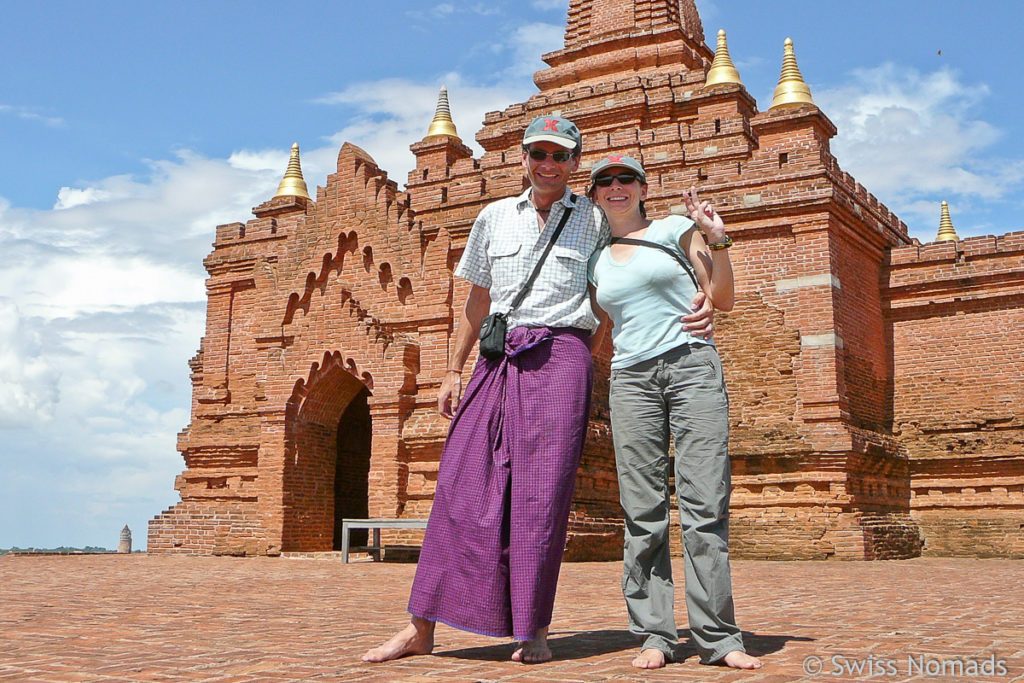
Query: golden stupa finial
{"type": "Point", "coordinates": [292, 185]}
{"type": "Point", "coordinates": [946, 231]}
{"type": "Point", "coordinates": [442, 123]}
{"type": "Point", "coordinates": [791, 88]}
{"type": "Point", "coordinates": [722, 69]}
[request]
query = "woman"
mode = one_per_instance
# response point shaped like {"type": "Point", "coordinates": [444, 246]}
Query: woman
{"type": "Point", "coordinates": [665, 382]}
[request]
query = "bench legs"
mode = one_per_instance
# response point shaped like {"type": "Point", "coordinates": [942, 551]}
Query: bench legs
{"type": "Point", "coordinates": [377, 549]}
{"type": "Point", "coordinates": [344, 542]}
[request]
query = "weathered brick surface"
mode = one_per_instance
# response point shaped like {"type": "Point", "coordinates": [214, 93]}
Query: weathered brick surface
{"type": "Point", "coordinates": [956, 314]}
{"type": "Point", "coordinates": [875, 384]}
{"type": "Point", "coordinates": [160, 618]}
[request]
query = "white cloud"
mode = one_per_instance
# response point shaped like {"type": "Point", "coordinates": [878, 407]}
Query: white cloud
{"type": "Point", "coordinates": [68, 197]}
{"type": "Point", "coordinates": [167, 216]}
{"type": "Point", "coordinates": [442, 10]}
{"type": "Point", "coordinates": [528, 43]}
{"type": "Point", "coordinates": [102, 446]}
{"type": "Point", "coordinates": [30, 114]}
{"type": "Point", "coordinates": [391, 114]}
{"type": "Point", "coordinates": [484, 9]}
{"type": "Point", "coordinates": [317, 163]}
{"type": "Point", "coordinates": [445, 10]}
{"type": "Point", "coordinates": [102, 303]}
{"type": "Point", "coordinates": [28, 376]}
{"type": "Point", "coordinates": [259, 160]}
{"type": "Point", "coordinates": [912, 140]}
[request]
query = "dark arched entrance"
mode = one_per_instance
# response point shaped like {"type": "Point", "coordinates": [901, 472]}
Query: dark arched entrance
{"type": "Point", "coordinates": [352, 467]}
{"type": "Point", "coordinates": [327, 455]}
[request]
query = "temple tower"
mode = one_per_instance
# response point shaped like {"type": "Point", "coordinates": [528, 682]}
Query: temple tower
{"type": "Point", "coordinates": [330, 317]}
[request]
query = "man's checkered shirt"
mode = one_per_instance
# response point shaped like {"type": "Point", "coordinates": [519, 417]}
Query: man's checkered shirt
{"type": "Point", "coordinates": [505, 244]}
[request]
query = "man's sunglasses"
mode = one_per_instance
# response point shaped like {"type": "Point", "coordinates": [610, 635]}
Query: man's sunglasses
{"type": "Point", "coordinates": [540, 155]}
{"type": "Point", "coordinates": [623, 178]}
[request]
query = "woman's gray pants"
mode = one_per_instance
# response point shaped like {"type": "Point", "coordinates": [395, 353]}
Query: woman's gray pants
{"type": "Point", "coordinates": [680, 393]}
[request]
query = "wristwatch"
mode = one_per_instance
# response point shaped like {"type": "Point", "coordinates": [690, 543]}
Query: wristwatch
{"type": "Point", "coordinates": [724, 244]}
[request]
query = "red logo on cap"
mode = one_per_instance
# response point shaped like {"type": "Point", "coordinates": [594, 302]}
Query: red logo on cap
{"type": "Point", "coordinates": [551, 124]}
{"type": "Point", "coordinates": [616, 158]}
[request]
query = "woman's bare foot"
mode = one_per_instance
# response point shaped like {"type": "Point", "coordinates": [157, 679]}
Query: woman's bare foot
{"type": "Point", "coordinates": [651, 658]}
{"type": "Point", "coordinates": [738, 659]}
{"type": "Point", "coordinates": [533, 651]}
{"type": "Point", "coordinates": [415, 639]}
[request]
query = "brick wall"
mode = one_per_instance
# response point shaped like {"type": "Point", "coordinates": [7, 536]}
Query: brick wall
{"type": "Point", "coordinates": [956, 314]}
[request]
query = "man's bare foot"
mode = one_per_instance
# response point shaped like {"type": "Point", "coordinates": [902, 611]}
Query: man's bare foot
{"type": "Point", "coordinates": [651, 658]}
{"type": "Point", "coordinates": [738, 659]}
{"type": "Point", "coordinates": [533, 651]}
{"type": "Point", "coordinates": [415, 639]}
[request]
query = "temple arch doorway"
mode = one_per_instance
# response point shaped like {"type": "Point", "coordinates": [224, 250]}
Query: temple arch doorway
{"type": "Point", "coordinates": [326, 473]}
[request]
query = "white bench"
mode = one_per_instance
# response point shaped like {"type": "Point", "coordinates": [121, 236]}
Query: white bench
{"type": "Point", "coordinates": [375, 525]}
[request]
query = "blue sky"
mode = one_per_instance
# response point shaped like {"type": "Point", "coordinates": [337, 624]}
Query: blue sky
{"type": "Point", "coordinates": [129, 130]}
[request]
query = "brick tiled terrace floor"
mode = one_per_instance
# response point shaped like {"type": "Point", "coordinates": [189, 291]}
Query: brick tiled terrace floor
{"type": "Point", "coordinates": [155, 618]}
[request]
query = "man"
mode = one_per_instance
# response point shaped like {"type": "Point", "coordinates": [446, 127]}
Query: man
{"type": "Point", "coordinates": [493, 545]}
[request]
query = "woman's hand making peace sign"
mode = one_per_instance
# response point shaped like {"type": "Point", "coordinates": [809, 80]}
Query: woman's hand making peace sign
{"type": "Point", "coordinates": [705, 216]}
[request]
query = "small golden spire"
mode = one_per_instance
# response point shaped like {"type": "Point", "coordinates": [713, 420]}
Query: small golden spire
{"type": "Point", "coordinates": [292, 185]}
{"type": "Point", "coordinates": [791, 88]}
{"type": "Point", "coordinates": [442, 123]}
{"type": "Point", "coordinates": [946, 231]}
{"type": "Point", "coordinates": [722, 69]}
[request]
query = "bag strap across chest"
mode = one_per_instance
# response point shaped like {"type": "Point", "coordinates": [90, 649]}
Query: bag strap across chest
{"type": "Point", "coordinates": [536, 269]}
{"type": "Point", "coordinates": [671, 252]}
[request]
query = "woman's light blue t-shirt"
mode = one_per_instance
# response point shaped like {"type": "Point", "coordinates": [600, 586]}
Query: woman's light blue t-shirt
{"type": "Point", "coordinates": [646, 295]}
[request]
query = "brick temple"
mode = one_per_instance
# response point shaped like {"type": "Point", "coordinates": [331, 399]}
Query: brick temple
{"type": "Point", "coordinates": [876, 383]}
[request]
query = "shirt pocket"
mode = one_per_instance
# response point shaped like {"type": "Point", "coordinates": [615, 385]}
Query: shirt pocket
{"type": "Point", "coordinates": [581, 240]}
{"type": "Point", "coordinates": [503, 257]}
{"type": "Point", "coordinates": [571, 266]}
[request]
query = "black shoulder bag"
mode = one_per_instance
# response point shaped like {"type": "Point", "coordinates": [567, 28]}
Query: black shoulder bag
{"type": "Point", "coordinates": [494, 326]}
{"type": "Point", "coordinates": [671, 252]}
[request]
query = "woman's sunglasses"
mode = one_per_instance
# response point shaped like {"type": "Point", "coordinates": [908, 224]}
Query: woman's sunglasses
{"type": "Point", "coordinates": [540, 155]}
{"type": "Point", "coordinates": [623, 178]}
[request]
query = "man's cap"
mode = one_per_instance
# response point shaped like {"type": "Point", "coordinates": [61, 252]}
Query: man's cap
{"type": "Point", "coordinates": [553, 129]}
{"type": "Point", "coordinates": [617, 161]}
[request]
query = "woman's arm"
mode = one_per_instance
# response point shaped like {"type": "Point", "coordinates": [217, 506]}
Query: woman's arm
{"type": "Point", "coordinates": [603, 322]}
{"type": "Point", "coordinates": [713, 267]}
